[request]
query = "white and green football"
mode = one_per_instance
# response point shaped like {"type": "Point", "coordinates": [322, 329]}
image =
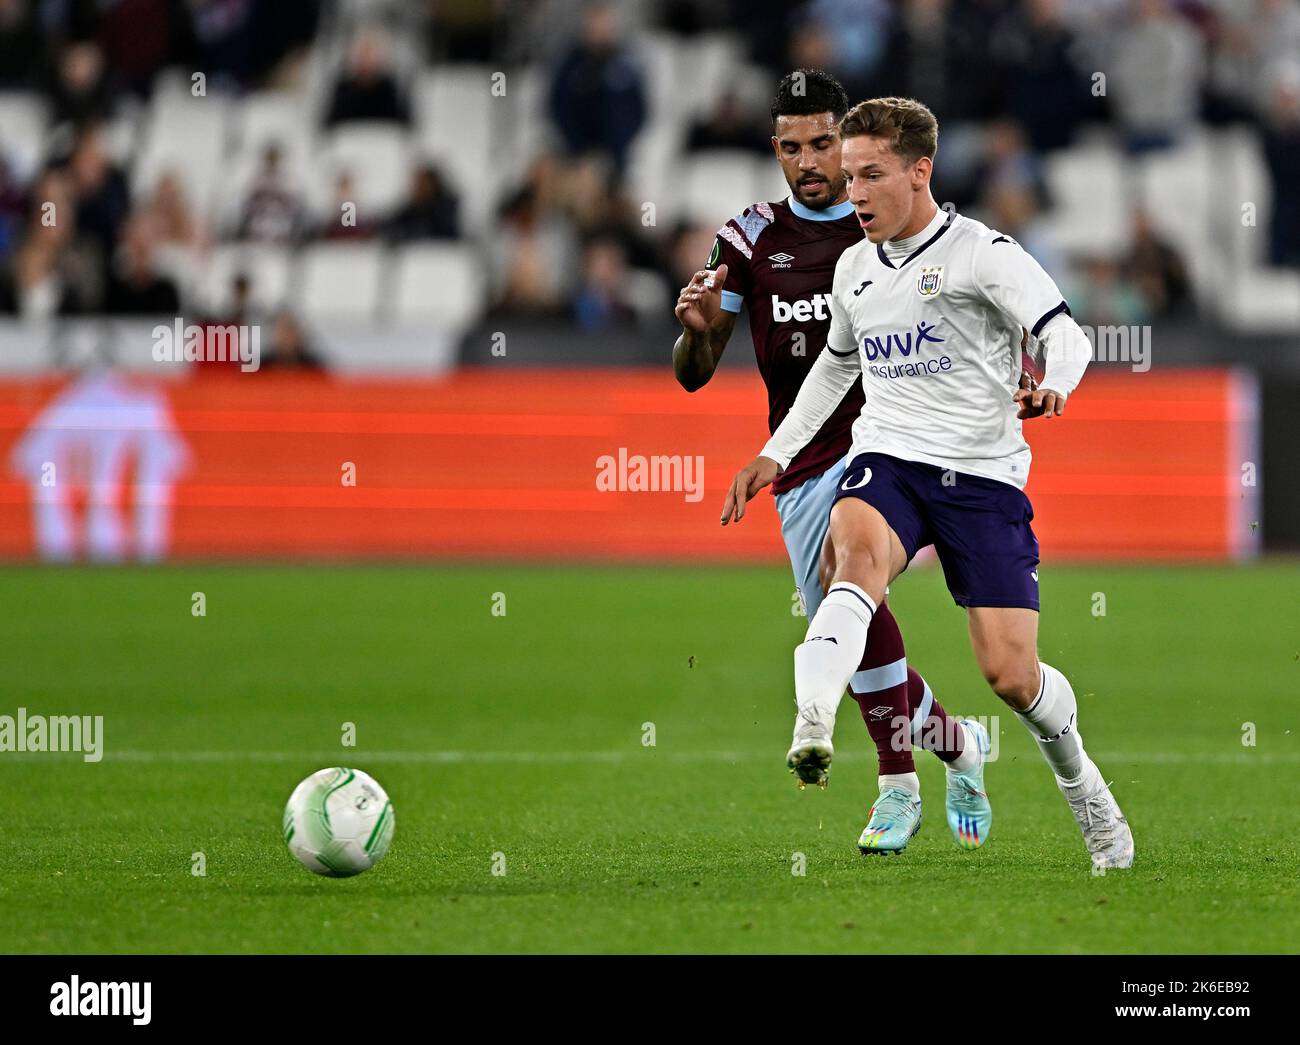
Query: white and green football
{"type": "Point", "coordinates": [339, 822]}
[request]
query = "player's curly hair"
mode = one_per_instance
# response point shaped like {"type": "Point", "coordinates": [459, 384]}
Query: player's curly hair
{"type": "Point", "coordinates": [808, 91]}
{"type": "Point", "coordinates": [904, 121]}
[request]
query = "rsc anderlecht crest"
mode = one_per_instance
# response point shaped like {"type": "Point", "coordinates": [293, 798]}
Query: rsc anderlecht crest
{"type": "Point", "coordinates": [931, 281]}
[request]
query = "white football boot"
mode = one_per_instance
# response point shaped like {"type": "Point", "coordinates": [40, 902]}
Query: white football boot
{"type": "Point", "coordinates": [1105, 831]}
{"type": "Point", "coordinates": [811, 751]}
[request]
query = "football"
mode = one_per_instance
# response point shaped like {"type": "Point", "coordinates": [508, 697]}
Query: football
{"type": "Point", "coordinates": [338, 822]}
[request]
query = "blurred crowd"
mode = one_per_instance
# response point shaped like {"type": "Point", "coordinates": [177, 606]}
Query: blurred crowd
{"type": "Point", "coordinates": [1011, 81]}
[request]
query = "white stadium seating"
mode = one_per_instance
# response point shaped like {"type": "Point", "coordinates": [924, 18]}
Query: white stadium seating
{"type": "Point", "coordinates": [483, 145]}
{"type": "Point", "coordinates": [717, 185]}
{"type": "Point", "coordinates": [378, 157]}
{"type": "Point", "coordinates": [1092, 201]}
{"type": "Point", "coordinates": [436, 285]}
{"type": "Point", "coordinates": [23, 119]}
{"type": "Point", "coordinates": [339, 282]}
{"type": "Point", "coordinates": [456, 126]}
{"type": "Point", "coordinates": [268, 268]}
{"type": "Point", "coordinates": [185, 135]}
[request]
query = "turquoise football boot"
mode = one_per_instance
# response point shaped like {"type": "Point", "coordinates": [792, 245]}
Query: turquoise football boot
{"type": "Point", "coordinates": [894, 819]}
{"type": "Point", "coordinates": [970, 817]}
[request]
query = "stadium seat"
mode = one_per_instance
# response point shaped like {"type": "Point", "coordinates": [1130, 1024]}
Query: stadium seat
{"type": "Point", "coordinates": [262, 119]}
{"type": "Point", "coordinates": [436, 285]}
{"type": "Point", "coordinates": [714, 60]}
{"type": "Point", "coordinates": [1174, 190]}
{"type": "Point", "coordinates": [274, 116]}
{"type": "Point", "coordinates": [524, 123]}
{"type": "Point", "coordinates": [717, 184]}
{"type": "Point", "coordinates": [378, 157]}
{"type": "Point", "coordinates": [1262, 301]}
{"type": "Point", "coordinates": [1091, 199]}
{"type": "Point", "coordinates": [187, 135]}
{"type": "Point", "coordinates": [338, 282]}
{"type": "Point", "coordinates": [1246, 180]}
{"type": "Point", "coordinates": [456, 124]}
{"type": "Point", "coordinates": [319, 74]}
{"type": "Point", "coordinates": [121, 134]}
{"type": "Point", "coordinates": [661, 60]}
{"type": "Point", "coordinates": [268, 269]}
{"type": "Point", "coordinates": [183, 265]}
{"type": "Point", "coordinates": [769, 182]}
{"type": "Point", "coordinates": [23, 120]}
{"type": "Point", "coordinates": [647, 294]}
{"type": "Point", "coordinates": [653, 167]}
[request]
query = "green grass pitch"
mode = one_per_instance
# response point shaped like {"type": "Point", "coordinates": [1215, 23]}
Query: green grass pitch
{"type": "Point", "coordinates": [522, 734]}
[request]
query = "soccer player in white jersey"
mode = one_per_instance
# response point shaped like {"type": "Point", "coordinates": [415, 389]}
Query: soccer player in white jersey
{"type": "Point", "coordinates": [927, 311]}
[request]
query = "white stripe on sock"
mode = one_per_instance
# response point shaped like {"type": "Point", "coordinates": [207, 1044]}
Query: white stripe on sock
{"type": "Point", "coordinates": [873, 680]}
{"type": "Point", "coordinates": [923, 712]}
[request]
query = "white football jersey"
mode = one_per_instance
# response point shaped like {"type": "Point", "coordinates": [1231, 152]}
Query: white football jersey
{"type": "Point", "coordinates": [937, 336]}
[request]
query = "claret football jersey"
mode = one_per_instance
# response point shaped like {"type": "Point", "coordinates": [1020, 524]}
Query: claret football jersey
{"type": "Point", "coordinates": [780, 261]}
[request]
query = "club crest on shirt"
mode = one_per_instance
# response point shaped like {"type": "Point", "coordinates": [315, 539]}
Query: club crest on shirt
{"type": "Point", "coordinates": [930, 281]}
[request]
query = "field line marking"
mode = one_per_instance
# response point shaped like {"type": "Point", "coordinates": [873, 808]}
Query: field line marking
{"type": "Point", "coordinates": [1243, 758]}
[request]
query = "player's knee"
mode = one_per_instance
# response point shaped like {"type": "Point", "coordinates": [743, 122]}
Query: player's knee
{"type": "Point", "coordinates": [859, 546]}
{"type": "Point", "coordinates": [1012, 679]}
{"type": "Point", "coordinates": [862, 566]}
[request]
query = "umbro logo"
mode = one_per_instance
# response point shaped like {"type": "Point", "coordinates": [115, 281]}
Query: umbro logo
{"type": "Point", "coordinates": [824, 638]}
{"type": "Point", "coordinates": [879, 712]}
{"type": "Point", "coordinates": [780, 261]}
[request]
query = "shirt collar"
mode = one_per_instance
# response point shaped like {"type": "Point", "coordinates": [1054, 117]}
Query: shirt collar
{"type": "Point", "coordinates": [897, 249]}
{"type": "Point", "coordinates": [839, 210]}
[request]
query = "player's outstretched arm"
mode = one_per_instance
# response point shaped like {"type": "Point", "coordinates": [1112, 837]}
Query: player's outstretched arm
{"type": "Point", "coordinates": [749, 480]}
{"type": "Point", "coordinates": [706, 328]}
{"type": "Point", "coordinates": [821, 392]}
{"type": "Point", "coordinates": [1066, 353]}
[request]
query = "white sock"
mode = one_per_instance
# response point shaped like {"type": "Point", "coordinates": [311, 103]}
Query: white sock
{"type": "Point", "coordinates": [970, 753]}
{"type": "Point", "coordinates": [1053, 720]}
{"type": "Point", "coordinates": [1088, 780]}
{"type": "Point", "coordinates": [907, 781]}
{"type": "Point", "coordinates": [832, 650]}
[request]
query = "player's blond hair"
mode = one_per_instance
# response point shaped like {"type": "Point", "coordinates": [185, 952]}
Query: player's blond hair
{"type": "Point", "coordinates": [905, 122]}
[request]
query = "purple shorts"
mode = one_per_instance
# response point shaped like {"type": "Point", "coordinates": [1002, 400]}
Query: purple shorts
{"type": "Point", "coordinates": [979, 527]}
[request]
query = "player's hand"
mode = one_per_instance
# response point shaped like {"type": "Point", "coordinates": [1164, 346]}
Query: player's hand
{"type": "Point", "coordinates": [1038, 402]}
{"type": "Point", "coordinates": [749, 480]}
{"type": "Point", "coordinates": [701, 299]}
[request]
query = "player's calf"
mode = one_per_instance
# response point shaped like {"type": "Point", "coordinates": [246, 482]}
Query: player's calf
{"type": "Point", "coordinates": [899, 708]}
{"type": "Point", "coordinates": [1003, 638]}
{"type": "Point", "coordinates": [1011, 670]}
{"type": "Point", "coordinates": [823, 664]}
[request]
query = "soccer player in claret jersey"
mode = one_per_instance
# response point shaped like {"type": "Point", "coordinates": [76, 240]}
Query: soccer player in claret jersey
{"type": "Point", "coordinates": [777, 260]}
{"type": "Point", "coordinates": [926, 315]}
